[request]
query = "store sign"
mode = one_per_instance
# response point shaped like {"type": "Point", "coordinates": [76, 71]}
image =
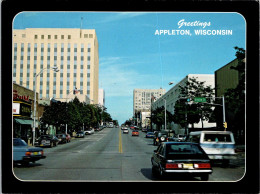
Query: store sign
{"type": "Point", "coordinates": [18, 97]}
{"type": "Point", "coordinates": [16, 108]}
{"type": "Point", "coordinates": [21, 109]}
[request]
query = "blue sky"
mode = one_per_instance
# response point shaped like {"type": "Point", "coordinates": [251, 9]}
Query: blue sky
{"type": "Point", "coordinates": [132, 56]}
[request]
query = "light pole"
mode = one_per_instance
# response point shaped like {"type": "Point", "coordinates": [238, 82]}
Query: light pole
{"type": "Point", "coordinates": [35, 85]}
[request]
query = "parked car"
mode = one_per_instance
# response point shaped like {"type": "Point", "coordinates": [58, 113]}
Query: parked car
{"type": "Point", "coordinates": [160, 137]}
{"type": "Point", "coordinates": [126, 131]}
{"type": "Point", "coordinates": [149, 135]}
{"type": "Point", "coordinates": [62, 138]}
{"type": "Point", "coordinates": [135, 133]}
{"type": "Point", "coordinates": [178, 158]}
{"type": "Point", "coordinates": [23, 154]}
{"type": "Point", "coordinates": [80, 134]}
{"type": "Point", "coordinates": [219, 145]}
{"type": "Point", "coordinates": [68, 138]}
{"type": "Point", "coordinates": [47, 141]}
{"type": "Point", "coordinates": [89, 131]}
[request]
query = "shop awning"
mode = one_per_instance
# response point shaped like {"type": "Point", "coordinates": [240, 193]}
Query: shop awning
{"type": "Point", "coordinates": [24, 121]}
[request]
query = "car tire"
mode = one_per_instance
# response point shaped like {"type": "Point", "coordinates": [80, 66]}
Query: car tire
{"type": "Point", "coordinates": [204, 177]}
{"type": "Point", "coordinates": [161, 172]}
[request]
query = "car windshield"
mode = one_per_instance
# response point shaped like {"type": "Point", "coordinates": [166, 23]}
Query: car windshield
{"type": "Point", "coordinates": [185, 151]}
{"type": "Point", "coordinates": [217, 138]}
{"type": "Point", "coordinates": [19, 142]}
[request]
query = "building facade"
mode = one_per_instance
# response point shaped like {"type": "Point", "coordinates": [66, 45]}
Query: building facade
{"type": "Point", "coordinates": [226, 78]}
{"type": "Point", "coordinates": [142, 103]}
{"type": "Point", "coordinates": [172, 96]}
{"type": "Point", "coordinates": [101, 97]}
{"type": "Point", "coordinates": [73, 51]}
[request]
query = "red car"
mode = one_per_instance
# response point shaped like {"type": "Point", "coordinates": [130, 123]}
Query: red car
{"type": "Point", "coordinates": [135, 133]}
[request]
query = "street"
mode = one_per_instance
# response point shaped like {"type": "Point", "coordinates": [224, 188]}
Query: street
{"type": "Point", "coordinates": [109, 155]}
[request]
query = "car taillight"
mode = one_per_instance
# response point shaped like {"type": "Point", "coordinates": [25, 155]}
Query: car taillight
{"type": "Point", "coordinates": [28, 153]}
{"type": "Point", "coordinates": [171, 165]}
{"type": "Point", "coordinates": [202, 165]}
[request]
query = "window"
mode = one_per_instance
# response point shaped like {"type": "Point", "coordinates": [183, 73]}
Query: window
{"type": "Point", "coordinates": [62, 36]}
{"type": "Point", "coordinates": [42, 36]}
{"type": "Point", "coordinates": [35, 36]}
{"type": "Point", "coordinates": [85, 35]}
{"type": "Point", "coordinates": [49, 36]}
{"type": "Point", "coordinates": [69, 36]}
{"type": "Point", "coordinates": [91, 36]}
{"type": "Point", "coordinates": [55, 36]}
{"type": "Point", "coordinates": [23, 36]}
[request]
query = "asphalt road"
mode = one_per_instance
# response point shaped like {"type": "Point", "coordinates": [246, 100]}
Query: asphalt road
{"type": "Point", "coordinates": [109, 155]}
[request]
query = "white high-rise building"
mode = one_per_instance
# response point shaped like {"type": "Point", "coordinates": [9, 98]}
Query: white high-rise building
{"type": "Point", "coordinates": [73, 51]}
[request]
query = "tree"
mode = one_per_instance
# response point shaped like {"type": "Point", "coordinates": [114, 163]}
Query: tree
{"type": "Point", "coordinates": [235, 97]}
{"type": "Point", "coordinates": [158, 117]}
{"type": "Point", "coordinates": [186, 113]}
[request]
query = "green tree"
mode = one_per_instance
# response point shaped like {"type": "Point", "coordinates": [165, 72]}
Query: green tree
{"type": "Point", "coordinates": [158, 117]}
{"type": "Point", "coordinates": [235, 97]}
{"type": "Point", "coordinates": [186, 113]}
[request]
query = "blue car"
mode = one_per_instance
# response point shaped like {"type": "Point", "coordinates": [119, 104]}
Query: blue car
{"type": "Point", "coordinates": [23, 154]}
{"type": "Point", "coordinates": [149, 135]}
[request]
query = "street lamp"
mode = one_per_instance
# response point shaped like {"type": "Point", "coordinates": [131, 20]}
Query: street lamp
{"type": "Point", "coordinates": [35, 85]}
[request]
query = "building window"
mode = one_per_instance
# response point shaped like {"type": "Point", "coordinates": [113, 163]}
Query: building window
{"type": "Point", "coordinates": [91, 36]}
{"type": "Point", "coordinates": [35, 36]}
{"type": "Point", "coordinates": [42, 36]}
{"type": "Point", "coordinates": [62, 36]}
{"type": "Point", "coordinates": [55, 36]}
{"type": "Point", "coordinates": [85, 35]}
{"type": "Point", "coordinates": [69, 36]}
{"type": "Point", "coordinates": [49, 36]}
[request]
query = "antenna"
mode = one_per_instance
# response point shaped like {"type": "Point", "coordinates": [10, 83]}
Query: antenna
{"type": "Point", "coordinates": [81, 27]}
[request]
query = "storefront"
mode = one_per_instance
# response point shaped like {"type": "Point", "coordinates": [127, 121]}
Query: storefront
{"type": "Point", "coordinates": [22, 113]}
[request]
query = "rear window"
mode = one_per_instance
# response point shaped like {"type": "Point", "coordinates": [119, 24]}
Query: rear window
{"type": "Point", "coordinates": [19, 142]}
{"type": "Point", "coordinates": [184, 151]}
{"type": "Point", "coordinates": [217, 138]}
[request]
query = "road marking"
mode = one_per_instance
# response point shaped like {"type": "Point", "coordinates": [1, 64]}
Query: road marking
{"type": "Point", "coordinates": [120, 142]}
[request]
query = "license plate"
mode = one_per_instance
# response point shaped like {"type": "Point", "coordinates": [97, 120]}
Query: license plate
{"type": "Point", "coordinates": [41, 145]}
{"type": "Point", "coordinates": [189, 166]}
{"type": "Point", "coordinates": [36, 153]}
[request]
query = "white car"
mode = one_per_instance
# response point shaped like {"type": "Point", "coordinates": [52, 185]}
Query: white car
{"type": "Point", "coordinates": [125, 131]}
{"type": "Point", "coordinates": [89, 131]}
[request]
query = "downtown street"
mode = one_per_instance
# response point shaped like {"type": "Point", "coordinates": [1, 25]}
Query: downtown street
{"type": "Point", "coordinates": [110, 155]}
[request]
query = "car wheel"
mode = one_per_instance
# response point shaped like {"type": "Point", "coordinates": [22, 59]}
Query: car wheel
{"type": "Point", "coordinates": [204, 177]}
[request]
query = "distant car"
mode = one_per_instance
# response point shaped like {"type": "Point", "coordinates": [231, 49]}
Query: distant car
{"type": "Point", "coordinates": [144, 130]}
{"type": "Point", "coordinates": [68, 138]}
{"type": "Point", "coordinates": [62, 138]}
{"type": "Point", "coordinates": [126, 131]}
{"type": "Point", "coordinates": [89, 131]}
{"type": "Point", "coordinates": [80, 134]}
{"type": "Point", "coordinates": [149, 135]}
{"type": "Point", "coordinates": [46, 141]}
{"type": "Point", "coordinates": [178, 158]}
{"type": "Point", "coordinates": [135, 133]}
{"type": "Point", "coordinates": [23, 154]}
{"type": "Point", "coordinates": [132, 127]}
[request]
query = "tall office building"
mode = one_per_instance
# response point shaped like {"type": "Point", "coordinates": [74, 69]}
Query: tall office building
{"type": "Point", "coordinates": [143, 97]}
{"type": "Point", "coordinates": [73, 51]}
{"type": "Point", "coordinates": [142, 103]}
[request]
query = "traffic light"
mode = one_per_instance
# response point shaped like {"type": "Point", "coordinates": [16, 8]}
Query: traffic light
{"type": "Point", "coordinates": [225, 125]}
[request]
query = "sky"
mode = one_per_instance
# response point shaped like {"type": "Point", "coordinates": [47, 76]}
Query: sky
{"type": "Point", "coordinates": [147, 50]}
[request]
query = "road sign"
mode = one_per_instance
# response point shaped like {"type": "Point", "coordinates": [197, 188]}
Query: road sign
{"type": "Point", "coordinates": [199, 99]}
